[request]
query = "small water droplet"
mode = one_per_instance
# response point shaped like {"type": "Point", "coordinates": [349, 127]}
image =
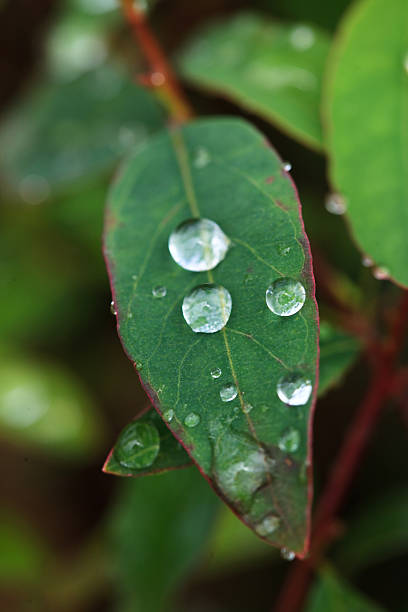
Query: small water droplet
{"type": "Point", "coordinates": [168, 415]}
{"type": "Point", "coordinates": [381, 273]}
{"type": "Point", "coordinates": [216, 373]}
{"type": "Point", "coordinates": [286, 166]}
{"type": "Point", "coordinates": [198, 245]}
{"type": "Point", "coordinates": [285, 297]}
{"type": "Point", "coordinates": [302, 37]}
{"type": "Point", "coordinates": [192, 419]}
{"type": "Point", "coordinates": [207, 308]}
{"type": "Point", "coordinates": [294, 389]}
{"type": "Point", "coordinates": [228, 392]}
{"type": "Point", "coordinates": [159, 291]}
{"type": "Point", "coordinates": [283, 249]}
{"type": "Point", "coordinates": [335, 204]}
{"type": "Point", "coordinates": [247, 408]}
{"type": "Point", "coordinates": [139, 365]}
{"type": "Point", "coordinates": [290, 440]}
{"type": "Point", "coordinates": [367, 262]}
{"type": "Point", "coordinates": [202, 158]}
{"type": "Point", "coordinates": [134, 277]}
{"type": "Point", "coordinates": [268, 525]}
{"type": "Point", "coordinates": [287, 554]}
{"type": "Point", "coordinates": [138, 445]}
{"type": "Point", "coordinates": [112, 308]}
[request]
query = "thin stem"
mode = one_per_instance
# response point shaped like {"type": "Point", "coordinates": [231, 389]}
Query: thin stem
{"type": "Point", "coordinates": [162, 75]}
{"type": "Point", "coordinates": [347, 462]}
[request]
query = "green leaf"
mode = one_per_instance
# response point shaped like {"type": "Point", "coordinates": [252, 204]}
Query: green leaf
{"type": "Point", "coordinates": [269, 68]}
{"type": "Point", "coordinates": [66, 131]}
{"type": "Point", "coordinates": [331, 594]}
{"type": "Point", "coordinates": [377, 533]}
{"type": "Point", "coordinates": [159, 530]}
{"type": "Point", "coordinates": [366, 105]}
{"type": "Point", "coordinates": [338, 351]}
{"type": "Point", "coordinates": [171, 454]}
{"type": "Point", "coordinates": [44, 405]}
{"type": "Point", "coordinates": [223, 170]}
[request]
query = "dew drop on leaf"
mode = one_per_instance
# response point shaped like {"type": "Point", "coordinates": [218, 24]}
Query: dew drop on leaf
{"type": "Point", "coordinates": [290, 440]}
{"type": "Point", "coordinates": [268, 525]}
{"type": "Point", "coordinates": [216, 373]}
{"type": "Point", "coordinates": [228, 392]}
{"type": "Point", "coordinates": [198, 245]}
{"type": "Point", "coordinates": [302, 37]}
{"type": "Point", "coordinates": [207, 308]}
{"type": "Point", "coordinates": [367, 262]}
{"type": "Point", "coordinates": [381, 273]}
{"type": "Point", "coordinates": [294, 389]}
{"type": "Point", "coordinates": [285, 297]}
{"type": "Point", "coordinates": [286, 166]}
{"type": "Point", "coordinates": [112, 308]}
{"type": "Point", "coordinates": [335, 204]}
{"type": "Point", "coordinates": [202, 158]}
{"type": "Point", "coordinates": [287, 554]}
{"type": "Point", "coordinates": [168, 415]}
{"type": "Point", "coordinates": [192, 420]}
{"type": "Point", "coordinates": [138, 445]}
{"type": "Point", "coordinates": [159, 292]}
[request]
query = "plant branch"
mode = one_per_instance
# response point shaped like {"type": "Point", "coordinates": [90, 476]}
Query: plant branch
{"type": "Point", "coordinates": [347, 462]}
{"type": "Point", "coordinates": [162, 77]}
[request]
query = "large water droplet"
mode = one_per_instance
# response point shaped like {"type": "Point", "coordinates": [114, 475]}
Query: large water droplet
{"type": "Point", "coordinates": [228, 392]}
{"type": "Point", "coordinates": [287, 554]}
{"type": "Point", "coordinates": [302, 37]}
{"type": "Point", "coordinates": [159, 291]}
{"type": "Point", "coordinates": [290, 440]}
{"type": "Point", "coordinates": [207, 308]}
{"type": "Point", "coordinates": [168, 415]}
{"type": "Point", "coordinates": [335, 204]}
{"type": "Point", "coordinates": [192, 419]}
{"type": "Point", "coordinates": [202, 158]}
{"type": "Point", "coordinates": [268, 525]}
{"type": "Point", "coordinates": [294, 389]}
{"type": "Point", "coordinates": [198, 245]}
{"type": "Point", "coordinates": [216, 373]}
{"type": "Point", "coordinates": [138, 445]}
{"type": "Point", "coordinates": [285, 297]}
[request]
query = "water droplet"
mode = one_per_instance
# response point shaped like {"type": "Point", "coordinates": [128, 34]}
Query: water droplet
{"type": "Point", "coordinates": [159, 292]}
{"type": "Point", "coordinates": [228, 392]}
{"type": "Point", "coordinates": [216, 373]}
{"type": "Point", "coordinates": [207, 308]}
{"type": "Point", "coordinates": [381, 273]}
{"type": "Point", "coordinates": [289, 442]}
{"type": "Point", "coordinates": [247, 408]}
{"type": "Point", "coordinates": [286, 166]}
{"type": "Point", "coordinates": [139, 365]}
{"type": "Point", "coordinates": [283, 249]}
{"type": "Point", "coordinates": [202, 158]}
{"type": "Point", "coordinates": [285, 297]}
{"type": "Point", "coordinates": [335, 204]}
{"type": "Point", "coordinates": [168, 415]}
{"type": "Point", "coordinates": [112, 308]}
{"type": "Point", "coordinates": [157, 79]}
{"type": "Point", "coordinates": [268, 525]}
{"type": "Point", "coordinates": [302, 37]}
{"type": "Point", "coordinates": [134, 277]}
{"type": "Point", "coordinates": [34, 189]}
{"type": "Point", "coordinates": [294, 389]}
{"type": "Point", "coordinates": [367, 262]}
{"type": "Point", "coordinates": [287, 554]}
{"type": "Point", "coordinates": [138, 445]}
{"type": "Point", "coordinates": [192, 420]}
{"type": "Point", "coordinates": [198, 245]}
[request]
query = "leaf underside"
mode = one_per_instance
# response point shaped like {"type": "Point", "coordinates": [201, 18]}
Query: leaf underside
{"type": "Point", "coordinates": [171, 454]}
{"type": "Point", "coordinates": [338, 351]}
{"type": "Point", "coordinates": [243, 188]}
{"type": "Point", "coordinates": [272, 69]}
{"type": "Point", "coordinates": [366, 103]}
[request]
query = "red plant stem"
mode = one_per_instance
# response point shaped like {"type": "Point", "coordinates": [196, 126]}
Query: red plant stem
{"type": "Point", "coordinates": [168, 88]}
{"type": "Point", "coordinates": [346, 463]}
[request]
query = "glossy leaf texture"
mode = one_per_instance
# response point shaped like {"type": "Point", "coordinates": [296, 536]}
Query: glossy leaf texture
{"type": "Point", "coordinates": [332, 594]}
{"type": "Point", "coordinates": [64, 131]}
{"type": "Point", "coordinates": [338, 351]}
{"type": "Point", "coordinates": [366, 103]}
{"type": "Point", "coordinates": [223, 170]}
{"type": "Point", "coordinates": [170, 454]}
{"type": "Point", "coordinates": [272, 69]}
{"type": "Point", "coordinates": [158, 533]}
